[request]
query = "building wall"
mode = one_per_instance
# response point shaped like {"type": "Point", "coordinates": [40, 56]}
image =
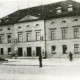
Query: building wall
{"type": "Point", "coordinates": [5, 31]}
{"type": "Point", "coordinates": [44, 27]}
{"type": "Point", "coordinates": [68, 22]}
{"type": "Point", "coordinates": [32, 27]}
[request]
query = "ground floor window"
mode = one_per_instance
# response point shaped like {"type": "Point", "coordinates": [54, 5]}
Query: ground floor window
{"type": "Point", "coordinates": [9, 50]}
{"type": "Point", "coordinates": [76, 48]}
{"type": "Point", "coordinates": [64, 47]}
{"type": "Point", "coordinates": [53, 48]}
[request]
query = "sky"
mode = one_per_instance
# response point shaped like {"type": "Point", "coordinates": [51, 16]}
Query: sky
{"type": "Point", "coordinates": [9, 6]}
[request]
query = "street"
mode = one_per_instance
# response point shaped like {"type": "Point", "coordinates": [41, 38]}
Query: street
{"type": "Point", "coordinates": [28, 69]}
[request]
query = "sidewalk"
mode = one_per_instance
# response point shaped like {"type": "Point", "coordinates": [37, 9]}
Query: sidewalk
{"type": "Point", "coordinates": [46, 62]}
{"type": "Point", "coordinates": [28, 69]}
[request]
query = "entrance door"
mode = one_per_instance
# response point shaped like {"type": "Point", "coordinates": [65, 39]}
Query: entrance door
{"type": "Point", "coordinates": [2, 51]}
{"type": "Point", "coordinates": [38, 51]}
{"type": "Point", "coordinates": [20, 52]}
{"type": "Point", "coordinates": [29, 51]}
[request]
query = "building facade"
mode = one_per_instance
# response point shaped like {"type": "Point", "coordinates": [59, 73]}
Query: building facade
{"type": "Point", "coordinates": [62, 36]}
{"type": "Point", "coordinates": [52, 30]}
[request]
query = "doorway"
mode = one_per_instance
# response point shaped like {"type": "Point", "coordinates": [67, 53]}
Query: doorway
{"type": "Point", "coordinates": [2, 52]}
{"type": "Point", "coordinates": [38, 51]}
{"type": "Point", "coordinates": [20, 52]}
{"type": "Point", "coordinates": [28, 51]}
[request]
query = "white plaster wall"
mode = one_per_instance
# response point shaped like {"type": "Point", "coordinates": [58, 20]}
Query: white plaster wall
{"type": "Point", "coordinates": [70, 41]}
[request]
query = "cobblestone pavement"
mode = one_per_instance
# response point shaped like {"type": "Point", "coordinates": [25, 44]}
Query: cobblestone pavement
{"type": "Point", "coordinates": [53, 69]}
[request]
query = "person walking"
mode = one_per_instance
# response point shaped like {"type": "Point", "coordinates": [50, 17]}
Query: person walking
{"type": "Point", "coordinates": [40, 60]}
{"type": "Point", "coordinates": [70, 56]}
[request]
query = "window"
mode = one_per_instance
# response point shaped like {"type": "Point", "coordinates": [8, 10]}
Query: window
{"type": "Point", "coordinates": [27, 25]}
{"type": "Point", "coordinates": [19, 27]}
{"type": "Point", "coordinates": [52, 33]}
{"type": "Point", "coordinates": [1, 29]}
{"type": "Point", "coordinates": [8, 29]}
{"type": "Point", "coordinates": [20, 37]}
{"type": "Point", "coordinates": [28, 36]}
{"type": "Point", "coordinates": [64, 21]}
{"type": "Point", "coordinates": [37, 25]}
{"type": "Point", "coordinates": [52, 23]}
{"type": "Point", "coordinates": [76, 32]}
{"type": "Point", "coordinates": [64, 33]}
{"type": "Point", "coordinates": [53, 48]}
{"type": "Point", "coordinates": [38, 34]}
{"type": "Point", "coordinates": [76, 48]}
{"type": "Point", "coordinates": [9, 50]}
{"type": "Point", "coordinates": [51, 11]}
{"type": "Point", "coordinates": [58, 10]}
{"type": "Point", "coordinates": [70, 8]}
{"type": "Point", "coordinates": [64, 49]}
{"type": "Point", "coordinates": [1, 38]}
{"type": "Point", "coordinates": [75, 20]}
{"type": "Point", "coordinates": [9, 38]}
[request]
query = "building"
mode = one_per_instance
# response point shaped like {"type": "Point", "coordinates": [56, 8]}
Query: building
{"type": "Point", "coordinates": [52, 30]}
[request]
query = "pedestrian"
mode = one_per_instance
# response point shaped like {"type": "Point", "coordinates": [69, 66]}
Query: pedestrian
{"type": "Point", "coordinates": [40, 60]}
{"type": "Point", "coordinates": [70, 56]}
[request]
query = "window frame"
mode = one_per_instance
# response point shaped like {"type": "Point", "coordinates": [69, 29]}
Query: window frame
{"type": "Point", "coordinates": [64, 32]}
{"type": "Point", "coordinates": [9, 39]}
{"type": "Point", "coordinates": [28, 36]}
{"type": "Point", "coordinates": [20, 38]}
{"type": "Point", "coordinates": [76, 48]}
{"type": "Point", "coordinates": [76, 32]}
{"type": "Point", "coordinates": [38, 35]}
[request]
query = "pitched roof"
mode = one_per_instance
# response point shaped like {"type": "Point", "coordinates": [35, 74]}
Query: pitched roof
{"type": "Point", "coordinates": [28, 17]}
{"type": "Point", "coordinates": [42, 12]}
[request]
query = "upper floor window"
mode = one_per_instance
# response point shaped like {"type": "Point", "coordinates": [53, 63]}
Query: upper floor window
{"type": "Point", "coordinates": [38, 36]}
{"type": "Point", "coordinates": [52, 23]}
{"type": "Point", "coordinates": [75, 20]}
{"type": "Point", "coordinates": [20, 37]}
{"type": "Point", "coordinates": [9, 38]}
{"type": "Point", "coordinates": [8, 28]}
{"type": "Point", "coordinates": [19, 27]}
{"type": "Point", "coordinates": [70, 8]}
{"type": "Point", "coordinates": [52, 33]}
{"type": "Point", "coordinates": [64, 33]}
{"type": "Point", "coordinates": [1, 29]}
{"type": "Point", "coordinates": [37, 25]}
{"type": "Point", "coordinates": [28, 26]}
{"type": "Point", "coordinates": [1, 38]}
{"type": "Point", "coordinates": [76, 32]}
{"type": "Point", "coordinates": [51, 10]}
{"type": "Point", "coordinates": [28, 36]}
{"type": "Point", "coordinates": [58, 10]}
{"type": "Point", "coordinates": [63, 21]}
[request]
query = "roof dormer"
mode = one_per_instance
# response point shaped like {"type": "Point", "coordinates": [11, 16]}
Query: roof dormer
{"type": "Point", "coordinates": [70, 8]}
{"type": "Point", "coordinates": [58, 10]}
